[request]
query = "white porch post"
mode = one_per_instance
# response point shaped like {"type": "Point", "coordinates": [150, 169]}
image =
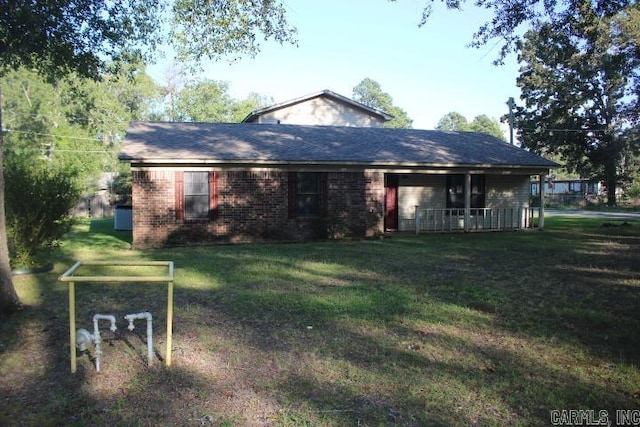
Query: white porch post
{"type": "Point", "coordinates": [541, 190]}
{"type": "Point", "coordinates": [467, 202]}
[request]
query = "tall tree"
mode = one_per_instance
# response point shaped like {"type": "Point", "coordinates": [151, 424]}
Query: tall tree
{"type": "Point", "coordinates": [206, 101]}
{"type": "Point", "coordinates": [486, 124]}
{"type": "Point", "coordinates": [214, 29]}
{"type": "Point", "coordinates": [41, 119]}
{"type": "Point", "coordinates": [509, 16]}
{"type": "Point", "coordinates": [455, 121]}
{"type": "Point", "coordinates": [77, 122]}
{"type": "Point", "coordinates": [370, 93]}
{"type": "Point", "coordinates": [254, 101]}
{"type": "Point", "coordinates": [59, 36]}
{"type": "Point", "coordinates": [580, 80]}
{"type": "Point", "coordinates": [203, 101]}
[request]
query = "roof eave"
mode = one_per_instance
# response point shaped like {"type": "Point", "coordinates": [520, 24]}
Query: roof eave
{"type": "Point", "coordinates": [307, 163]}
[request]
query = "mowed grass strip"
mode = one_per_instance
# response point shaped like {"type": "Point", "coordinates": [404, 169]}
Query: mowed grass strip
{"type": "Point", "coordinates": [476, 329]}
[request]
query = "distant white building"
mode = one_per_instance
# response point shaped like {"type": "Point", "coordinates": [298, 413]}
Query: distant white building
{"type": "Point", "coordinates": [576, 187]}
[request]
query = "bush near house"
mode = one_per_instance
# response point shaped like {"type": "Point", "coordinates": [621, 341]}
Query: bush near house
{"type": "Point", "coordinates": [38, 203]}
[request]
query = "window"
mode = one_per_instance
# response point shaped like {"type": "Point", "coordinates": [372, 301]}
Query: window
{"type": "Point", "coordinates": [307, 194]}
{"type": "Point", "coordinates": [455, 191]}
{"type": "Point", "coordinates": [196, 195]}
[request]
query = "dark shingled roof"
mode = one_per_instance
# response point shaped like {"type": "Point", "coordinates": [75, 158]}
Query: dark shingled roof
{"type": "Point", "coordinates": [278, 143]}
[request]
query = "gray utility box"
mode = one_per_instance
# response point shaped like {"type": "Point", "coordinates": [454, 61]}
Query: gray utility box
{"type": "Point", "coordinates": [123, 219]}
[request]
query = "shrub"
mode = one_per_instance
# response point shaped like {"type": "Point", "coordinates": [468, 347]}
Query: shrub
{"type": "Point", "coordinates": [38, 204]}
{"type": "Point", "coordinates": [634, 190]}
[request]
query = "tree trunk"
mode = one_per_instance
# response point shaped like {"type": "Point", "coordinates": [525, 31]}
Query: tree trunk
{"type": "Point", "coordinates": [610, 180]}
{"type": "Point", "coordinates": [9, 301]}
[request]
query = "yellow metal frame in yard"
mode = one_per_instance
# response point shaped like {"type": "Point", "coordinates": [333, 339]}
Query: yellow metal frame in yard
{"type": "Point", "coordinates": [68, 276]}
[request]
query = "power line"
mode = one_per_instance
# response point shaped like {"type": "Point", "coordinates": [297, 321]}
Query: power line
{"type": "Point", "coordinates": [562, 130]}
{"type": "Point", "coordinates": [85, 151]}
{"type": "Point", "coordinates": [51, 135]}
{"type": "Point", "coordinates": [72, 120]}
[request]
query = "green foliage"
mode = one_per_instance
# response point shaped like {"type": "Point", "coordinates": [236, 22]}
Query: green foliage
{"type": "Point", "coordinates": [121, 185]}
{"type": "Point", "coordinates": [510, 16]}
{"type": "Point", "coordinates": [205, 101]}
{"type": "Point", "coordinates": [591, 50]}
{"type": "Point", "coordinates": [581, 91]}
{"type": "Point", "coordinates": [106, 106]}
{"type": "Point", "coordinates": [42, 125]}
{"type": "Point", "coordinates": [216, 28]}
{"type": "Point", "coordinates": [485, 124]}
{"type": "Point", "coordinates": [39, 201]}
{"type": "Point", "coordinates": [57, 37]}
{"type": "Point", "coordinates": [242, 108]}
{"type": "Point", "coordinates": [400, 118]}
{"type": "Point", "coordinates": [74, 123]}
{"type": "Point", "coordinates": [455, 121]}
{"type": "Point", "coordinates": [634, 189]}
{"type": "Point", "coordinates": [61, 137]}
{"type": "Point", "coordinates": [369, 92]}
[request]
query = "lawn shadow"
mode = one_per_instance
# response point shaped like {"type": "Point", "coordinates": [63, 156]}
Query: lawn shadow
{"type": "Point", "coordinates": [327, 373]}
{"type": "Point", "coordinates": [281, 316]}
{"type": "Point", "coordinates": [36, 386]}
{"type": "Point", "coordinates": [407, 331]}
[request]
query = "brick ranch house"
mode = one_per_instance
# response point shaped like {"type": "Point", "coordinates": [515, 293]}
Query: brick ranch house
{"type": "Point", "coordinates": [286, 174]}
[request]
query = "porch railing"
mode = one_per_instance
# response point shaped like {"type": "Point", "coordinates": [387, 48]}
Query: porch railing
{"type": "Point", "coordinates": [442, 220]}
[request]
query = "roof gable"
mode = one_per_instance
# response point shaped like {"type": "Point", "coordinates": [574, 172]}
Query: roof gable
{"type": "Point", "coordinates": [336, 145]}
{"type": "Point", "coordinates": [329, 100]}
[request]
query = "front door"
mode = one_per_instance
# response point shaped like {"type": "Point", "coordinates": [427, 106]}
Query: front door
{"type": "Point", "coordinates": [391, 202]}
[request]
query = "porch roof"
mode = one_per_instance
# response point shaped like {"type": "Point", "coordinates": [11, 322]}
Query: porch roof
{"type": "Point", "coordinates": [242, 143]}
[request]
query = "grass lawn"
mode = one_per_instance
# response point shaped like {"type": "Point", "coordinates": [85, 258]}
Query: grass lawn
{"type": "Point", "coordinates": [453, 330]}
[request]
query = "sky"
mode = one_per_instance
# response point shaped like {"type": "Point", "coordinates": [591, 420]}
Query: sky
{"type": "Point", "coordinates": [429, 71]}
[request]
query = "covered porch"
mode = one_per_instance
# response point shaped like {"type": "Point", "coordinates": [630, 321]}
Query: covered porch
{"type": "Point", "coordinates": [461, 200]}
{"type": "Point", "coordinates": [485, 219]}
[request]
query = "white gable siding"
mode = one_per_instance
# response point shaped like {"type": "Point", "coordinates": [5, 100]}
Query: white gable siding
{"type": "Point", "coordinates": [321, 111]}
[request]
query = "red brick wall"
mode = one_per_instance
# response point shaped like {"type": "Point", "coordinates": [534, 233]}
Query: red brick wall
{"type": "Point", "coordinates": [253, 206]}
{"type": "Point", "coordinates": [374, 203]}
{"type": "Point", "coordinates": [355, 204]}
{"type": "Point", "coordinates": [153, 206]}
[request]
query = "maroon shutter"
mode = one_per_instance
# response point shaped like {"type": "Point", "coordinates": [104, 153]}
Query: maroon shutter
{"type": "Point", "coordinates": [179, 192]}
{"type": "Point", "coordinates": [292, 193]}
{"type": "Point", "coordinates": [213, 194]}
